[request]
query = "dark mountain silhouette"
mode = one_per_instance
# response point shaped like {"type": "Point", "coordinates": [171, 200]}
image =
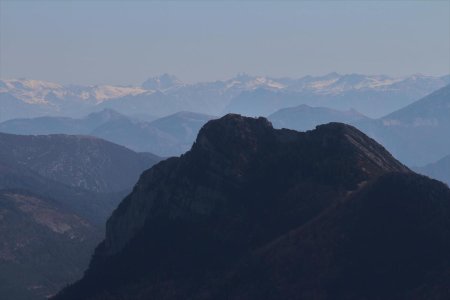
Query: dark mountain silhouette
{"type": "Point", "coordinates": [439, 170]}
{"type": "Point", "coordinates": [251, 212]}
{"type": "Point", "coordinates": [304, 117]}
{"type": "Point", "coordinates": [390, 240]}
{"type": "Point", "coordinates": [56, 192]}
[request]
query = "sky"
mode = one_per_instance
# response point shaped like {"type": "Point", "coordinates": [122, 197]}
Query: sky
{"type": "Point", "coordinates": [125, 42]}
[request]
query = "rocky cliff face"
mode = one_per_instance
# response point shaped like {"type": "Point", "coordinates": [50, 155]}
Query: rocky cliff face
{"type": "Point", "coordinates": [238, 158]}
{"type": "Point", "coordinates": [193, 223]}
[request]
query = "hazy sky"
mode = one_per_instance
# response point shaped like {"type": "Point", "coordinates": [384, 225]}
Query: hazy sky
{"type": "Point", "coordinates": [124, 42]}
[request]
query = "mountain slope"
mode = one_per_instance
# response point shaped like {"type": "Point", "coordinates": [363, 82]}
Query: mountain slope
{"type": "Point", "coordinates": [388, 241]}
{"type": "Point", "coordinates": [78, 161]}
{"type": "Point", "coordinates": [92, 206]}
{"type": "Point", "coordinates": [418, 133]}
{"type": "Point", "coordinates": [439, 170]}
{"type": "Point", "coordinates": [168, 136]}
{"type": "Point", "coordinates": [55, 125]}
{"type": "Point", "coordinates": [42, 245]}
{"type": "Point", "coordinates": [56, 192]}
{"type": "Point", "coordinates": [190, 221]}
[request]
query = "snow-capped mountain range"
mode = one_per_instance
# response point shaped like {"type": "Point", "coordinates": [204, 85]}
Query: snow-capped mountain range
{"type": "Point", "coordinates": [44, 92]}
{"type": "Point", "coordinates": [253, 95]}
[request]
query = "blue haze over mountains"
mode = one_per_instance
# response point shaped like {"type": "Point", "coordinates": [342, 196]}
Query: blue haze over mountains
{"type": "Point", "coordinates": [163, 115]}
{"type": "Point", "coordinates": [416, 133]}
{"type": "Point", "coordinates": [63, 150]}
{"type": "Point", "coordinates": [160, 96]}
{"type": "Point", "coordinates": [119, 181]}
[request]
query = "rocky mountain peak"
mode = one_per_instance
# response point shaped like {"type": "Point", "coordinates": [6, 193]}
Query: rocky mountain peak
{"type": "Point", "coordinates": [242, 185]}
{"type": "Point", "coordinates": [237, 159]}
{"type": "Point", "coordinates": [233, 130]}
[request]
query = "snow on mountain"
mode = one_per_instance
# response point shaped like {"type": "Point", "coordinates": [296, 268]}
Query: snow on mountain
{"type": "Point", "coordinates": [248, 82]}
{"type": "Point", "coordinates": [162, 82]}
{"type": "Point", "coordinates": [100, 93]}
{"type": "Point", "coordinates": [44, 92]}
{"type": "Point", "coordinates": [31, 91]}
{"type": "Point", "coordinates": [166, 94]}
{"type": "Point", "coordinates": [335, 83]}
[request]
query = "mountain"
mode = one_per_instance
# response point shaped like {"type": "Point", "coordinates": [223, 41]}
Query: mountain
{"type": "Point", "coordinates": [92, 206]}
{"type": "Point", "coordinates": [77, 161]}
{"type": "Point", "coordinates": [152, 102]}
{"type": "Point", "coordinates": [48, 230]}
{"type": "Point", "coordinates": [439, 170]}
{"type": "Point", "coordinates": [43, 246]}
{"type": "Point", "coordinates": [417, 134]}
{"type": "Point", "coordinates": [183, 127]}
{"type": "Point", "coordinates": [252, 212]}
{"type": "Point", "coordinates": [56, 125]}
{"type": "Point", "coordinates": [25, 98]}
{"type": "Point", "coordinates": [304, 117]}
{"type": "Point", "coordinates": [373, 95]}
{"type": "Point", "coordinates": [390, 240]}
{"type": "Point", "coordinates": [167, 136]}
{"type": "Point", "coordinates": [162, 82]}
{"type": "Point", "coordinates": [87, 176]}
{"type": "Point", "coordinates": [210, 98]}
{"type": "Point", "coordinates": [56, 191]}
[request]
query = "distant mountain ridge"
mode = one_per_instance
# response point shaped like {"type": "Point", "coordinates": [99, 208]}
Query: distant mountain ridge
{"type": "Point", "coordinates": [439, 170]}
{"type": "Point", "coordinates": [373, 96]}
{"type": "Point", "coordinates": [162, 82]}
{"type": "Point", "coordinates": [165, 94]}
{"type": "Point", "coordinates": [78, 161]}
{"type": "Point", "coordinates": [417, 134]}
{"type": "Point", "coordinates": [167, 136]}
